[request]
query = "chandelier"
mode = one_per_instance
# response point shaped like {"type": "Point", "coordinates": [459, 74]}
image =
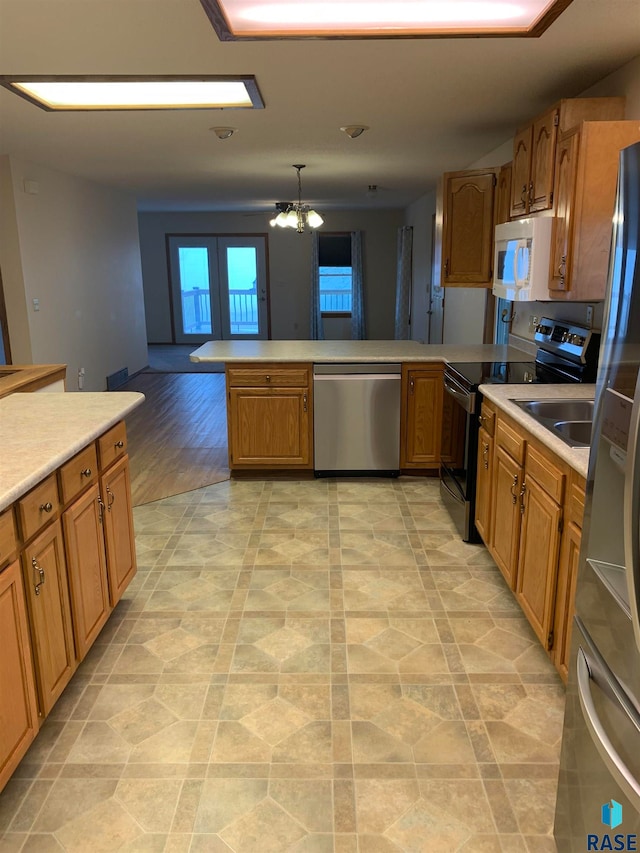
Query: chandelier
{"type": "Point", "coordinates": [296, 214]}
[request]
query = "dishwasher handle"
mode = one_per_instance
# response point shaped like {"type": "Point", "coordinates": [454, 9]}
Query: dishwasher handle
{"type": "Point", "coordinates": [354, 377]}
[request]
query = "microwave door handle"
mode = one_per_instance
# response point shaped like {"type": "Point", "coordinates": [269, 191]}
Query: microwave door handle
{"type": "Point", "coordinates": [519, 282]}
{"type": "Point", "coordinates": [631, 513]}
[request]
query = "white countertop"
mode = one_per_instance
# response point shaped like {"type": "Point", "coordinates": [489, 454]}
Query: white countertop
{"type": "Point", "coordinates": [352, 351]}
{"type": "Point", "coordinates": [502, 395]}
{"type": "Point", "coordinates": [39, 432]}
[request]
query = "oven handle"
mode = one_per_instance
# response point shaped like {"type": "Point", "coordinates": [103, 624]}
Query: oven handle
{"type": "Point", "coordinates": [467, 399]}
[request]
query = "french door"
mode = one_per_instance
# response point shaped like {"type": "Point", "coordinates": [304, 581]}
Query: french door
{"type": "Point", "coordinates": [218, 288]}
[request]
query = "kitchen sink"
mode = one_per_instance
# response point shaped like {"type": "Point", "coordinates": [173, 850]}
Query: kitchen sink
{"type": "Point", "coordinates": [576, 433]}
{"type": "Point", "coordinates": [559, 410]}
{"type": "Point", "coordinates": [570, 420]}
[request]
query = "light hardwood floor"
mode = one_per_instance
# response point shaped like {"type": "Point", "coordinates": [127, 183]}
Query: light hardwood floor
{"type": "Point", "coordinates": [178, 437]}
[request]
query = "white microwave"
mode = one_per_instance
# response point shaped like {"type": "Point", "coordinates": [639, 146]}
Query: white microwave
{"type": "Point", "coordinates": [521, 259]}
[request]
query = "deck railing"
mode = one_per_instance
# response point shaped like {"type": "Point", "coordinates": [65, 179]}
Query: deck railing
{"type": "Point", "coordinates": [196, 312]}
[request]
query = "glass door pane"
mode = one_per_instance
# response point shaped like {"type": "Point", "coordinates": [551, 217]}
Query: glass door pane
{"type": "Point", "coordinates": [194, 289]}
{"type": "Point", "coordinates": [243, 287]}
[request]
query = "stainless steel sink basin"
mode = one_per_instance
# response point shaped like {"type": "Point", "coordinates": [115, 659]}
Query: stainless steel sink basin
{"type": "Point", "coordinates": [559, 410]}
{"type": "Point", "coordinates": [569, 419]}
{"type": "Point", "coordinates": [575, 433]}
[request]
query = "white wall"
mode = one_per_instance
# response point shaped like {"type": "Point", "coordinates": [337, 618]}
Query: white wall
{"type": "Point", "coordinates": [419, 216]}
{"type": "Point", "coordinates": [289, 261]}
{"type": "Point", "coordinates": [74, 248]}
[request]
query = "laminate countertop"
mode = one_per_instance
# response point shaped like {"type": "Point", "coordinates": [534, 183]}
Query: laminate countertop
{"type": "Point", "coordinates": [39, 432]}
{"type": "Point", "coordinates": [504, 395]}
{"type": "Point", "coordinates": [319, 352]}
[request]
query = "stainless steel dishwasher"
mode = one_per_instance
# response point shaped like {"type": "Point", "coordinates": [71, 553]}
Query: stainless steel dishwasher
{"type": "Point", "coordinates": [356, 421]}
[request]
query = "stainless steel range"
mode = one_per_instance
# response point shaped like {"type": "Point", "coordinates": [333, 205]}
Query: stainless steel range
{"type": "Point", "coordinates": [566, 352]}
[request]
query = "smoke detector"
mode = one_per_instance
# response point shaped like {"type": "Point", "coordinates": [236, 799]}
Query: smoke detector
{"type": "Point", "coordinates": [353, 131]}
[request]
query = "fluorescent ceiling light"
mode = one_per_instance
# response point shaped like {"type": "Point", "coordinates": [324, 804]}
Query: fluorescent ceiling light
{"type": "Point", "coordinates": [251, 19]}
{"type": "Point", "coordinates": [131, 93]}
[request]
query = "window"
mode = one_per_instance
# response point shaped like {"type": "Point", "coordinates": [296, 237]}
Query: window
{"type": "Point", "coordinates": [335, 274]}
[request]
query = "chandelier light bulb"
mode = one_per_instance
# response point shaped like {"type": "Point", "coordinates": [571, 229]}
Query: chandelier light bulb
{"type": "Point", "coordinates": [314, 219]}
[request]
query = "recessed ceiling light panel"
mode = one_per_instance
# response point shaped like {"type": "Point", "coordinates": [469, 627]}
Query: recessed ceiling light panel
{"type": "Point", "coordinates": [251, 19]}
{"type": "Point", "coordinates": [136, 93]}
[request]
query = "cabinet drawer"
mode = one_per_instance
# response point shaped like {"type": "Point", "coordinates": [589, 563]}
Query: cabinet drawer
{"type": "Point", "coordinates": [291, 377]}
{"type": "Point", "coordinates": [7, 537]}
{"type": "Point", "coordinates": [546, 474]}
{"type": "Point", "coordinates": [78, 473]}
{"type": "Point", "coordinates": [112, 444]}
{"type": "Point", "coordinates": [510, 440]}
{"type": "Point", "coordinates": [487, 418]}
{"type": "Point", "coordinates": [38, 507]}
{"type": "Point", "coordinates": [575, 503]}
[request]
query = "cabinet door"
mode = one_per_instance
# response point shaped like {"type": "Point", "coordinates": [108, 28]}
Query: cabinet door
{"type": "Point", "coordinates": [565, 597]}
{"type": "Point", "coordinates": [538, 559]}
{"type": "Point", "coordinates": [86, 563]}
{"type": "Point", "coordinates": [561, 231]}
{"type": "Point", "coordinates": [270, 427]}
{"type": "Point", "coordinates": [423, 421]}
{"type": "Point", "coordinates": [542, 162]}
{"type": "Point", "coordinates": [117, 515]}
{"type": "Point", "coordinates": [505, 514]}
{"type": "Point", "coordinates": [521, 172]}
{"type": "Point", "coordinates": [483, 485]}
{"type": "Point", "coordinates": [503, 194]}
{"type": "Point", "coordinates": [46, 584]}
{"type": "Point", "coordinates": [18, 708]}
{"type": "Point", "coordinates": [468, 228]}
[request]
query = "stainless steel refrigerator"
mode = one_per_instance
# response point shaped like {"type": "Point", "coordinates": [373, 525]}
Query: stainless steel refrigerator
{"type": "Point", "coordinates": [598, 805]}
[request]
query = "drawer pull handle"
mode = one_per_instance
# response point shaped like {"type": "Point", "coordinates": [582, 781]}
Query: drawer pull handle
{"type": "Point", "coordinates": [100, 509]}
{"type": "Point", "coordinates": [514, 497]}
{"type": "Point", "coordinates": [522, 491]}
{"type": "Point", "coordinates": [485, 455]}
{"type": "Point", "coordinates": [111, 499]}
{"type": "Point", "coordinates": [46, 507]}
{"type": "Point", "coordinates": [119, 445]}
{"type": "Point", "coordinates": [304, 402]}
{"type": "Point", "coordinates": [86, 472]}
{"type": "Point", "coordinates": [39, 575]}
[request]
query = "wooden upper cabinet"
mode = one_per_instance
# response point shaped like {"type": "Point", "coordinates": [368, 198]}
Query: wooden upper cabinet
{"type": "Point", "coordinates": [521, 172]}
{"type": "Point", "coordinates": [503, 194]}
{"type": "Point", "coordinates": [585, 191]}
{"type": "Point", "coordinates": [467, 228]}
{"type": "Point", "coordinates": [534, 149]}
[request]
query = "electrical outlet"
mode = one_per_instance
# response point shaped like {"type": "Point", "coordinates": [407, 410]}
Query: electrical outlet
{"type": "Point", "coordinates": [589, 317]}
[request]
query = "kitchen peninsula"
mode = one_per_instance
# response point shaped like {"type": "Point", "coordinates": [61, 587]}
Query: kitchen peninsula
{"type": "Point", "coordinates": [67, 549]}
{"type": "Point", "coordinates": [270, 396]}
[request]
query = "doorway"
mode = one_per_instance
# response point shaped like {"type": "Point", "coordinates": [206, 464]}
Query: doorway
{"type": "Point", "coordinates": [219, 288]}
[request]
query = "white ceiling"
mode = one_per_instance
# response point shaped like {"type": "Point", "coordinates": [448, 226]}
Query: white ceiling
{"type": "Point", "coordinates": [432, 104]}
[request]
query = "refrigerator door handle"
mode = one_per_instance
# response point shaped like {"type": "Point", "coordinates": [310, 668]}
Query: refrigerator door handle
{"type": "Point", "coordinates": [616, 766]}
{"type": "Point", "coordinates": [632, 515]}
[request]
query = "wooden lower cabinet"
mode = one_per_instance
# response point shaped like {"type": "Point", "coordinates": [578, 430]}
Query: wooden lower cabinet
{"type": "Point", "coordinates": [18, 707]}
{"type": "Point", "coordinates": [538, 559]}
{"type": "Point", "coordinates": [421, 416]}
{"type": "Point", "coordinates": [505, 513]}
{"type": "Point", "coordinates": [270, 416]}
{"type": "Point", "coordinates": [117, 516]}
{"type": "Point", "coordinates": [529, 509]}
{"type": "Point", "coordinates": [47, 587]}
{"type": "Point", "coordinates": [87, 568]}
{"type": "Point", "coordinates": [484, 484]}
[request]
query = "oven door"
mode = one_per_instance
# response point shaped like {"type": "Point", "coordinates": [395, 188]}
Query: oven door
{"type": "Point", "coordinates": [458, 450]}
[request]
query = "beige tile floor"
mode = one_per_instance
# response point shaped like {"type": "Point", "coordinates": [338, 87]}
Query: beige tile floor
{"type": "Point", "coordinates": [300, 666]}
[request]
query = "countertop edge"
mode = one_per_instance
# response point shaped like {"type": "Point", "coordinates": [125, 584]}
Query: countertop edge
{"type": "Point", "coordinates": [502, 395]}
{"type": "Point", "coordinates": [70, 444]}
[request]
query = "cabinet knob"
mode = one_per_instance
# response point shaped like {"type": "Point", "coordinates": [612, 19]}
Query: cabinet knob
{"type": "Point", "coordinates": [46, 507]}
{"type": "Point", "coordinates": [268, 378]}
{"type": "Point", "coordinates": [86, 472]}
{"type": "Point", "coordinates": [119, 445]}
